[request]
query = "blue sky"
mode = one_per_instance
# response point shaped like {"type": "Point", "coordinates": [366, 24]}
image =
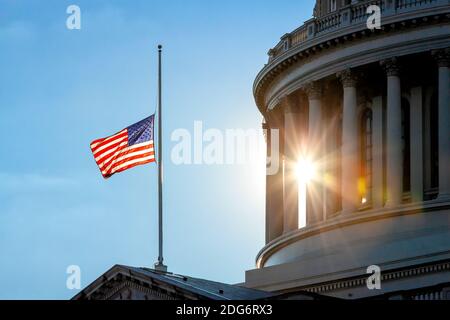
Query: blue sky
{"type": "Point", "coordinates": [60, 89]}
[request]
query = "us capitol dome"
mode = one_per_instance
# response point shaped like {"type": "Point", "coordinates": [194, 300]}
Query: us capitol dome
{"type": "Point", "coordinates": [368, 111]}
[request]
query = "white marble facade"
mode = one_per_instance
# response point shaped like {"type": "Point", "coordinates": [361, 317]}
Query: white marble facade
{"type": "Point", "coordinates": [375, 104]}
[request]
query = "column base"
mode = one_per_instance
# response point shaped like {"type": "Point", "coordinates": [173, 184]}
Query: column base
{"type": "Point", "coordinates": [348, 211]}
{"type": "Point", "coordinates": [392, 205]}
{"type": "Point", "coordinates": [443, 196]}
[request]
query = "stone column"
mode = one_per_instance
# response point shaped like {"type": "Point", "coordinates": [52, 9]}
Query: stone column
{"type": "Point", "coordinates": [274, 180]}
{"type": "Point", "coordinates": [315, 152]}
{"type": "Point", "coordinates": [349, 153]}
{"type": "Point", "coordinates": [394, 172]}
{"type": "Point", "coordinates": [377, 152]}
{"type": "Point", "coordinates": [291, 152]}
{"type": "Point", "coordinates": [443, 59]}
{"type": "Point", "coordinates": [416, 122]}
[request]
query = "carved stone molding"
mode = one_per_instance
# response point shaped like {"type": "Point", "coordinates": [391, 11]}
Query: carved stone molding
{"type": "Point", "coordinates": [339, 222]}
{"type": "Point", "coordinates": [150, 294]}
{"type": "Point", "coordinates": [314, 47]}
{"type": "Point", "coordinates": [391, 66]}
{"type": "Point", "coordinates": [442, 57]}
{"type": "Point", "coordinates": [314, 90]}
{"type": "Point", "coordinates": [348, 78]}
{"type": "Point", "coordinates": [392, 275]}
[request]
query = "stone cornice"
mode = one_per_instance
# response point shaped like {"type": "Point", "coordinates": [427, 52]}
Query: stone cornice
{"type": "Point", "coordinates": [385, 276]}
{"type": "Point", "coordinates": [308, 50]}
{"type": "Point", "coordinates": [340, 221]}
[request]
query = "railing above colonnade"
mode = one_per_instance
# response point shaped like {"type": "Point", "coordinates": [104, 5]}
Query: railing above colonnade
{"type": "Point", "coordinates": [352, 15]}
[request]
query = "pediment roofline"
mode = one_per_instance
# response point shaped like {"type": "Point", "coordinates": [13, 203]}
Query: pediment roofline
{"type": "Point", "coordinates": [178, 285]}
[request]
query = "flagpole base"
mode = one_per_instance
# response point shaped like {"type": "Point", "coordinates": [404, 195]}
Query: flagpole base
{"type": "Point", "coordinates": [160, 267]}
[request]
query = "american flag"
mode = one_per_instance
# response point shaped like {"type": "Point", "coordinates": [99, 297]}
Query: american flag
{"type": "Point", "coordinates": [126, 149]}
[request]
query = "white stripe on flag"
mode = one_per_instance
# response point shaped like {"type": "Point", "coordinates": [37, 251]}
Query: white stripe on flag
{"type": "Point", "coordinates": [131, 162]}
{"type": "Point", "coordinates": [127, 155]}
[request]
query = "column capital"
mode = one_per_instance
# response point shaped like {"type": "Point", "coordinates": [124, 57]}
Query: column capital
{"type": "Point", "coordinates": [291, 103]}
{"type": "Point", "coordinates": [348, 78]}
{"type": "Point", "coordinates": [391, 66]}
{"type": "Point", "coordinates": [274, 118]}
{"type": "Point", "coordinates": [442, 57]}
{"type": "Point", "coordinates": [314, 90]}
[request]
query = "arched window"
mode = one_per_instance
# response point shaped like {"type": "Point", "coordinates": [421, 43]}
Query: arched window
{"type": "Point", "coordinates": [365, 184]}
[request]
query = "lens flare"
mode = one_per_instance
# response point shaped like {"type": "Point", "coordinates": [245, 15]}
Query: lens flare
{"type": "Point", "coordinates": [306, 170]}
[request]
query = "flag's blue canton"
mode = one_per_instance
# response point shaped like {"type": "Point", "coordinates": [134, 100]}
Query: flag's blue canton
{"type": "Point", "coordinates": [141, 132]}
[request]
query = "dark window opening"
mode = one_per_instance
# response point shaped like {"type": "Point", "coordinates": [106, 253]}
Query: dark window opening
{"type": "Point", "coordinates": [434, 140]}
{"type": "Point", "coordinates": [406, 146]}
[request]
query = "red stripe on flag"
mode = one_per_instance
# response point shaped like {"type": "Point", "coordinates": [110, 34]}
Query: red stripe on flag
{"type": "Point", "coordinates": [102, 142]}
{"type": "Point", "coordinates": [128, 159]}
{"type": "Point", "coordinates": [105, 154]}
{"type": "Point", "coordinates": [113, 154]}
{"type": "Point", "coordinates": [129, 167]}
{"type": "Point", "coordinates": [120, 153]}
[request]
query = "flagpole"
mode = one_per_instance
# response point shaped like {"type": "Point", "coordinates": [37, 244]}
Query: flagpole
{"type": "Point", "coordinates": [159, 266]}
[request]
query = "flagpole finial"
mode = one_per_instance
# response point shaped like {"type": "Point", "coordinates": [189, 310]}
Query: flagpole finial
{"type": "Point", "coordinates": [159, 47]}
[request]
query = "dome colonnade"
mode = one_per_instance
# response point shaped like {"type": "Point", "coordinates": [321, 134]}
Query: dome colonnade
{"type": "Point", "coordinates": [371, 108]}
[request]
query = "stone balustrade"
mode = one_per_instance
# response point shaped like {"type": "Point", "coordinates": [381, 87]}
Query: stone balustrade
{"type": "Point", "coordinates": [351, 16]}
